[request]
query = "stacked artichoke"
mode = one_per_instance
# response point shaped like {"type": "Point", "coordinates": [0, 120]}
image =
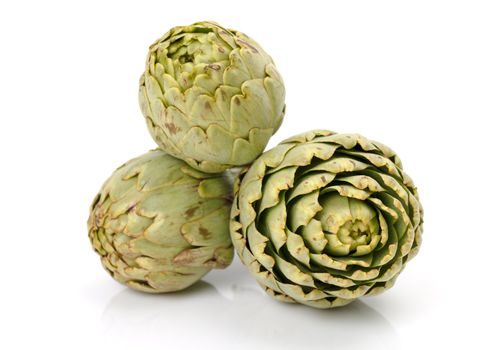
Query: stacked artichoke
{"type": "Point", "coordinates": [321, 219]}
{"type": "Point", "coordinates": [211, 96]}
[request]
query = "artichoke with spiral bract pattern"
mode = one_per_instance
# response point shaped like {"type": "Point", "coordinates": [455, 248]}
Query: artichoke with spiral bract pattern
{"type": "Point", "coordinates": [324, 218]}
{"type": "Point", "coordinates": [160, 225]}
{"type": "Point", "coordinates": [211, 96]}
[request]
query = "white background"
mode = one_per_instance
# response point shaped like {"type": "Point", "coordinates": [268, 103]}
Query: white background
{"type": "Point", "coordinates": [416, 75]}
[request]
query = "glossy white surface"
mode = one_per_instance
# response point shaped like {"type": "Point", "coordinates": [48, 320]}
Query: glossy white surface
{"type": "Point", "coordinates": [414, 75]}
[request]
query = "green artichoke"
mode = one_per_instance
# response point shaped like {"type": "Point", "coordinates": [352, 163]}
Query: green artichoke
{"type": "Point", "coordinates": [324, 218]}
{"type": "Point", "coordinates": [160, 225]}
{"type": "Point", "coordinates": [211, 96]}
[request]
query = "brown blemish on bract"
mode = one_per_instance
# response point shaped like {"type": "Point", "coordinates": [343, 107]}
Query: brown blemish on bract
{"type": "Point", "coordinates": [323, 178]}
{"type": "Point", "coordinates": [183, 258]}
{"type": "Point", "coordinates": [173, 129]}
{"type": "Point", "coordinates": [215, 67]}
{"type": "Point", "coordinates": [204, 232]}
{"type": "Point", "coordinates": [248, 45]}
{"type": "Point", "coordinates": [189, 213]}
{"type": "Point", "coordinates": [223, 94]}
{"type": "Point", "coordinates": [236, 101]}
{"type": "Point", "coordinates": [208, 106]}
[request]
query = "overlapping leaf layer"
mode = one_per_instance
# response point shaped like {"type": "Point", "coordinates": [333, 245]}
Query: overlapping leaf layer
{"type": "Point", "coordinates": [325, 218]}
{"type": "Point", "coordinates": [211, 96]}
{"type": "Point", "coordinates": [160, 225]}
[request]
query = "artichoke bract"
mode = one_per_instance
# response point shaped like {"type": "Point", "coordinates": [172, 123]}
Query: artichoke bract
{"type": "Point", "coordinates": [211, 96]}
{"type": "Point", "coordinates": [160, 225]}
{"type": "Point", "coordinates": [324, 218]}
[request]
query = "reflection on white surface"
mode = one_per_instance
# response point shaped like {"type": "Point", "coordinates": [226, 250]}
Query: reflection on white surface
{"type": "Point", "coordinates": [238, 313]}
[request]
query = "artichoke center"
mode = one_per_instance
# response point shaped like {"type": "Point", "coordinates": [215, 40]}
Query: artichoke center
{"type": "Point", "coordinates": [186, 58]}
{"type": "Point", "coordinates": [351, 226]}
{"type": "Point", "coordinates": [184, 52]}
{"type": "Point", "coordinates": [195, 49]}
{"type": "Point", "coordinates": [354, 232]}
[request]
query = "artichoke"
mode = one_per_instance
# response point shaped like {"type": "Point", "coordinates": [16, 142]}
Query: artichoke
{"type": "Point", "coordinates": [325, 218]}
{"type": "Point", "coordinates": [160, 225]}
{"type": "Point", "coordinates": [211, 96]}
